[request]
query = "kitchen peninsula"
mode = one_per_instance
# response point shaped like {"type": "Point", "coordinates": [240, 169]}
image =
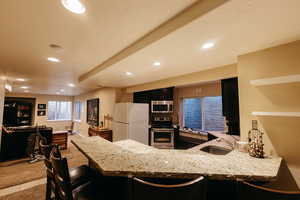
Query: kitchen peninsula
{"type": "Point", "coordinates": [130, 158]}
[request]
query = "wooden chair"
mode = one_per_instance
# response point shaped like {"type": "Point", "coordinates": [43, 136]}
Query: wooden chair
{"type": "Point", "coordinates": [63, 182]}
{"type": "Point", "coordinates": [50, 185]}
{"type": "Point", "coordinates": [168, 189]}
{"type": "Point", "coordinates": [248, 191]}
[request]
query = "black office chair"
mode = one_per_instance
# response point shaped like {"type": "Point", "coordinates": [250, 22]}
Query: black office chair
{"type": "Point", "coordinates": [63, 181]}
{"type": "Point", "coordinates": [168, 189]}
{"type": "Point", "coordinates": [248, 191]}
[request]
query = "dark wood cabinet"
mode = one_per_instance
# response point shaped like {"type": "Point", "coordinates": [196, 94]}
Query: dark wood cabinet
{"type": "Point", "coordinates": [104, 133]}
{"type": "Point", "coordinates": [142, 97]}
{"type": "Point", "coordinates": [15, 140]}
{"type": "Point", "coordinates": [230, 103]}
{"type": "Point", "coordinates": [164, 94]}
{"type": "Point", "coordinates": [18, 111]}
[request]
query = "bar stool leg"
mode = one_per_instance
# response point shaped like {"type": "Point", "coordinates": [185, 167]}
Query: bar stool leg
{"type": "Point", "coordinates": [48, 189]}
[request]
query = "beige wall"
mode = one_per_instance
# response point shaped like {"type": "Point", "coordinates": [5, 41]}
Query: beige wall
{"type": "Point", "coordinates": [123, 96]}
{"type": "Point", "coordinates": [281, 133]}
{"type": "Point", "coordinates": [198, 90]}
{"type": "Point", "coordinates": [2, 94]}
{"type": "Point", "coordinates": [222, 72]}
{"type": "Point", "coordinates": [43, 99]}
{"type": "Point", "coordinates": [107, 97]}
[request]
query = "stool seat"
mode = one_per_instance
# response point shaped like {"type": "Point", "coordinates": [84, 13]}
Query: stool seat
{"type": "Point", "coordinates": [248, 191]}
{"type": "Point", "coordinates": [81, 175]}
{"type": "Point", "coordinates": [88, 191]}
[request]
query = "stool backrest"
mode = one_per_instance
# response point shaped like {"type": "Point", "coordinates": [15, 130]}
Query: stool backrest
{"type": "Point", "coordinates": [248, 191]}
{"type": "Point", "coordinates": [191, 190]}
{"type": "Point", "coordinates": [61, 175]}
{"type": "Point", "coordinates": [46, 151]}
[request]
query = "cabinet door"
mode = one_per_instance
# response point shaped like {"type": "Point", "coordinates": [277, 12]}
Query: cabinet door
{"type": "Point", "coordinates": [230, 104]}
{"type": "Point", "coordinates": [164, 94]}
{"type": "Point", "coordinates": [142, 97]}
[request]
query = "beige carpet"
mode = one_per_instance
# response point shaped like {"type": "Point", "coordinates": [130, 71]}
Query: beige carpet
{"type": "Point", "coordinates": [20, 171]}
{"type": "Point", "coordinates": [34, 193]}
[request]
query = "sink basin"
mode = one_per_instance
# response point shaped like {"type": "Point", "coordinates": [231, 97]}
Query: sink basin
{"type": "Point", "coordinates": [215, 150]}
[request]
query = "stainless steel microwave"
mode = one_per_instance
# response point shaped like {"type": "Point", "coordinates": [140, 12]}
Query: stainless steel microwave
{"type": "Point", "coordinates": [161, 106]}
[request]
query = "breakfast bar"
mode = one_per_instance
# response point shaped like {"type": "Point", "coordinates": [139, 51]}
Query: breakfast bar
{"type": "Point", "coordinates": [129, 158]}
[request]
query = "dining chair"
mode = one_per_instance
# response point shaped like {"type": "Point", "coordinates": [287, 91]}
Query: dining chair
{"type": "Point", "coordinates": [50, 185]}
{"type": "Point", "coordinates": [168, 189]}
{"type": "Point", "coordinates": [63, 181]}
{"type": "Point", "coordinates": [248, 191]}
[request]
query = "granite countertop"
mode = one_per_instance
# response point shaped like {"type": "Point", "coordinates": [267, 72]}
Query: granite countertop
{"type": "Point", "coordinates": [130, 158]}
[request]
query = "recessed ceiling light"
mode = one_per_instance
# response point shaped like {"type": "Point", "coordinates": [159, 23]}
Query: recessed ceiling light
{"type": "Point", "coordinates": [20, 79]}
{"type": "Point", "coordinates": [71, 85]}
{"type": "Point", "coordinates": [74, 6]}
{"type": "Point", "coordinates": [156, 64]}
{"type": "Point", "coordinates": [24, 87]}
{"type": "Point", "coordinates": [208, 45]}
{"type": "Point", "coordinates": [52, 59]}
{"type": "Point", "coordinates": [128, 73]}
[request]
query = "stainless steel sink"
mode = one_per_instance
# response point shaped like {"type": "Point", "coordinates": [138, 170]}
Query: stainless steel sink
{"type": "Point", "coordinates": [215, 150]}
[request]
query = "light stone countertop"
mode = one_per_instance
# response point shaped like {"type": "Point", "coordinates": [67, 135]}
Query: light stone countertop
{"type": "Point", "coordinates": [130, 158]}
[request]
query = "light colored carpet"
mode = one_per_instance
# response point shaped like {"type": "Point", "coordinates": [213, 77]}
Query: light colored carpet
{"type": "Point", "coordinates": [34, 193]}
{"type": "Point", "coordinates": [20, 171]}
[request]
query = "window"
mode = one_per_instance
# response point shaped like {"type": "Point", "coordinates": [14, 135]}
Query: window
{"type": "Point", "coordinates": [192, 113]}
{"type": "Point", "coordinates": [77, 110]}
{"type": "Point", "coordinates": [203, 114]}
{"type": "Point", "coordinates": [59, 110]}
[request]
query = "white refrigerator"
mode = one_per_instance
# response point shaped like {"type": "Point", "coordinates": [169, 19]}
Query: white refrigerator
{"type": "Point", "coordinates": [131, 121]}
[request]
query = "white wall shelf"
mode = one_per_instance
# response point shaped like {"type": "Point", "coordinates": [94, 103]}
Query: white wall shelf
{"type": "Point", "coordinates": [277, 114]}
{"type": "Point", "coordinates": [276, 80]}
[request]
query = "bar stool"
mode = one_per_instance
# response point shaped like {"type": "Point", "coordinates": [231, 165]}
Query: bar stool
{"type": "Point", "coordinates": [248, 191]}
{"type": "Point", "coordinates": [63, 181]}
{"type": "Point", "coordinates": [78, 175]}
{"type": "Point", "coordinates": [168, 189]}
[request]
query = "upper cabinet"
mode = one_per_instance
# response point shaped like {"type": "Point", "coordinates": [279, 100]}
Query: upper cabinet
{"type": "Point", "coordinates": [142, 97]}
{"type": "Point", "coordinates": [164, 94]}
{"type": "Point", "coordinates": [230, 104]}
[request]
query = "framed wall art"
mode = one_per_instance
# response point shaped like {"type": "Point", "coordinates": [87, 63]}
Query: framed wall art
{"type": "Point", "coordinates": [41, 113]}
{"type": "Point", "coordinates": [41, 106]}
{"type": "Point", "coordinates": [92, 113]}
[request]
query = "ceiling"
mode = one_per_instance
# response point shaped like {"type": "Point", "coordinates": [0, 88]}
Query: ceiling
{"type": "Point", "coordinates": [29, 27]}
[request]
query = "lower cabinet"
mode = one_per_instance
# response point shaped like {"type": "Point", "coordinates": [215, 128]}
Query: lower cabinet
{"type": "Point", "coordinates": [216, 189]}
{"type": "Point", "coordinates": [221, 189]}
{"type": "Point", "coordinates": [14, 143]}
{"type": "Point", "coordinates": [104, 133]}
